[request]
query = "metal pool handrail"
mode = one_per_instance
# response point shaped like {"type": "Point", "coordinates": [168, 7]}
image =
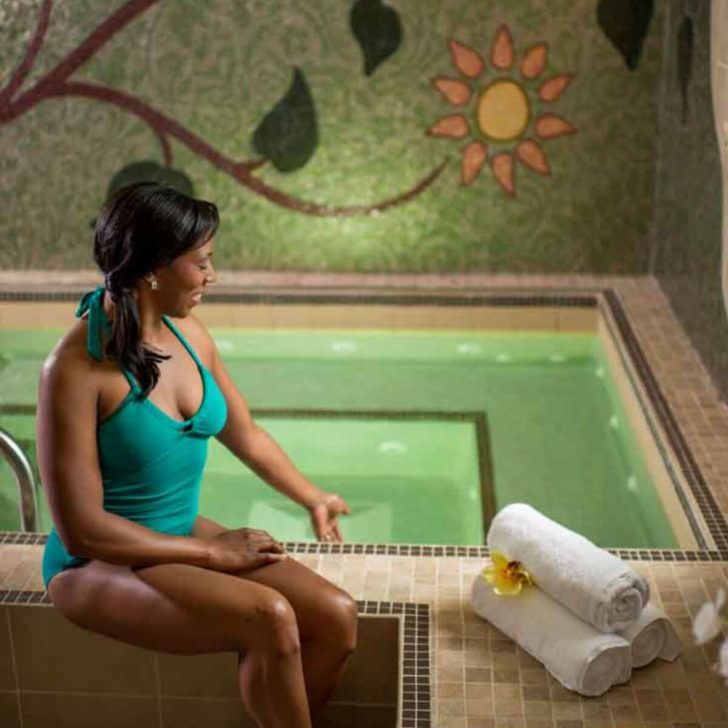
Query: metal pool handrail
{"type": "Point", "coordinates": [24, 477]}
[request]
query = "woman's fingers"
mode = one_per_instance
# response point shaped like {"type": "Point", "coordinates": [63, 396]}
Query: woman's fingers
{"type": "Point", "coordinates": [268, 544]}
{"type": "Point", "coordinates": [257, 532]}
{"type": "Point", "coordinates": [265, 557]}
{"type": "Point", "coordinates": [319, 518]}
{"type": "Point", "coordinates": [272, 548]}
{"type": "Point", "coordinates": [336, 532]}
{"type": "Point", "coordinates": [260, 541]}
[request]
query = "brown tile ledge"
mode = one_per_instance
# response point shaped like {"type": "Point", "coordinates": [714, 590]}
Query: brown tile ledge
{"type": "Point", "coordinates": [61, 675]}
{"type": "Point", "coordinates": [480, 679]}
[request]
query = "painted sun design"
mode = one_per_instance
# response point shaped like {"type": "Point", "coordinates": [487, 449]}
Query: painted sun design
{"type": "Point", "coordinates": [504, 112]}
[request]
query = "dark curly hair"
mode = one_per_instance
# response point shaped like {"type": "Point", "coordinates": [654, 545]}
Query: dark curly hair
{"type": "Point", "coordinates": [143, 227]}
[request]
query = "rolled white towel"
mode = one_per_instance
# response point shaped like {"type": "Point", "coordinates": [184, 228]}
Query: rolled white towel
{"type": "Point", "coordinates": [580, 657]}
{"type": "Point", "coordinates": [594, 584]}
{"type": "Point", "coordinates": [652, 636]}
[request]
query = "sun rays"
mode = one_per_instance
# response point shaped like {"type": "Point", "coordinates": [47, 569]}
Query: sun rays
{"type": "Point", "coordinates": [501, 110]}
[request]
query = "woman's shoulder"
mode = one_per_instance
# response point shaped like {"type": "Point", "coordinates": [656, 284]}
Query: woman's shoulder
{"type": "Point", "coordinates": [196, 334]}
{"type": "Point", "coordinates": [69, 359]}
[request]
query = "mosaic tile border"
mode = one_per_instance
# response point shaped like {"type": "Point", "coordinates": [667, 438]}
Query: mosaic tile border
{"type": "Point", "coordinates": [15, 538]}
{"type": "Point", "coordinates": [404, 299]}
{"type": "Point", "coordinates": [709, 508]}
{"type": "Point", "coordinates": [416, 692]}
{"type": "Point", "coordinates": [478, 420]}
{"type": "Point", "coordinates": [586, 298]}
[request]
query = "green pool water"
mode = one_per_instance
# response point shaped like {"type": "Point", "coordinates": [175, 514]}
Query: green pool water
{"type": "Point", "coordinates": [422, 432]}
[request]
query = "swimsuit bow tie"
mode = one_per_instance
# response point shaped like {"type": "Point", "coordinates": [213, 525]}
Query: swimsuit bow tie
{"type": "Point", "coordinates": [92, 303]}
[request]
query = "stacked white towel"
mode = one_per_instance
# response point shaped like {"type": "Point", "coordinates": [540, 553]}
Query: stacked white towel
{"type": "Point", "coordinates": [580, 657]}
{"type": "Point", "coordinates": [652, 636]}
{"type": "Point", "coordinates": [587, 619]}
{"type": "Point", "coordinates": [591, 582]}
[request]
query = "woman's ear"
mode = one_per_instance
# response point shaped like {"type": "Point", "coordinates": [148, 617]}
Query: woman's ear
{"type": "Point", "coordinates": [151, 281]}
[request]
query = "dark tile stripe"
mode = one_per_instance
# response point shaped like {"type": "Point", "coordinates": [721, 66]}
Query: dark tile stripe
{"type": "Point", "coordinates": [706, 502]}
{"type": "Point", "coordinates": [517, 297]}
{"type": "Point", "coordinates": [432, 551]}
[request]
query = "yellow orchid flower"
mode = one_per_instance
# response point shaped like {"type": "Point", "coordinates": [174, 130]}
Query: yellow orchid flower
{"type": "Point", "coordinates": [507, 577]}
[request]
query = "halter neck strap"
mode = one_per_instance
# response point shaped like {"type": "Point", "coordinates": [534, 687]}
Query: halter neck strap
{"type": "Point", "coordinates": [93, 304]}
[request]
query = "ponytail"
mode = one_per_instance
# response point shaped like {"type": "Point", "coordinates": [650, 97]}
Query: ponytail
{"type": "Point", "coordinates": [125, 344]}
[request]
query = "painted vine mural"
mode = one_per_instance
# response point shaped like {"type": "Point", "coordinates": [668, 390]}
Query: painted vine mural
{"type": "Point", "coordinates": [503, 100]}
{"type": "Point", "coordinates": [286, 136]}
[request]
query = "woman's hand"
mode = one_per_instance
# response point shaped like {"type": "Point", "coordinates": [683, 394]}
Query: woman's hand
{"type": "Point", "coordinates": [243, 549]}
{"type": "Point", "coordinates": [324, 513]}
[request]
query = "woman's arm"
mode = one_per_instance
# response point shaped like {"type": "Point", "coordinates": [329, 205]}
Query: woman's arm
{"type": "Point", "coordinates": [254, 446]}
{"type": "Point", "coordinates": [70, 473]}
{"type": "Point", "coordinates": [257, 449]}
{"type": "Point", "coordinates": [205, 528]}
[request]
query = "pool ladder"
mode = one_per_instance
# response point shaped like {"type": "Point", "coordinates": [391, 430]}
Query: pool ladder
{"type": "Point", "coordinates": [25, 479]}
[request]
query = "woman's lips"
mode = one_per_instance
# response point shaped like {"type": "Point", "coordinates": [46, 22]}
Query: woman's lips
{"type": "Point", "coordinates": [197, 298]}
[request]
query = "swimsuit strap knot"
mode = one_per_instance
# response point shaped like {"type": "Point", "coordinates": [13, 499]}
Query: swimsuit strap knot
{"type": "Point", "coordinates": [92, 303]}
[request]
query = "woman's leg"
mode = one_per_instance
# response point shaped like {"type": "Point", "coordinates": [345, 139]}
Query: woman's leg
{"type": "Point", "coordinates": [184, 609]}
{"type": "Point", "coordinates": [327, 623]}
{"type": "Point", "coordinates": [326, 616]}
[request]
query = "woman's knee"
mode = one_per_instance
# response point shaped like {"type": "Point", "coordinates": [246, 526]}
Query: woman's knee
{"type": "Point", "coordinates": [72, 591]}
{"type": "Point", "coordinates": [62, 596]}
{"type": "Point", "coordinates": [339, 619]}
{"type": "Point", "coordinates": [275, 626]}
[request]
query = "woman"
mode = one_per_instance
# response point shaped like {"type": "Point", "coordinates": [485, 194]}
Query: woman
{"type": "Point", "coordinates": [127, 402]}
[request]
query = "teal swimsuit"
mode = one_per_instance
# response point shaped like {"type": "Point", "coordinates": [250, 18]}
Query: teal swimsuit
{"type": "Point", "coordinates": [151, 464]}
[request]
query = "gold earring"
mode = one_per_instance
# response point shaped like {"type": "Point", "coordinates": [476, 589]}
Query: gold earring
{"type": "Point", "coordinates": [154, 285]}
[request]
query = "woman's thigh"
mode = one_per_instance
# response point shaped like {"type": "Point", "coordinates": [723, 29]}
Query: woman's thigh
{"type": "Point", "coordinates": [174, 608]}
{"type": "Point", "coordinates": [314, 599]}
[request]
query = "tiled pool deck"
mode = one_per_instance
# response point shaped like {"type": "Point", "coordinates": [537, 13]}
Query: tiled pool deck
{"type": "Point", "coordinates": [480, 679]}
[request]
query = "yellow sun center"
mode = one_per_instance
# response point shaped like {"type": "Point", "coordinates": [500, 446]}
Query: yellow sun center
{"type": "Point", "coordinates": [502, 110]}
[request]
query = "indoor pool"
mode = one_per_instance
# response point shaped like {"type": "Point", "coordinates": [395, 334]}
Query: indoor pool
{"type": "Point", "coordinates": [424, 433]}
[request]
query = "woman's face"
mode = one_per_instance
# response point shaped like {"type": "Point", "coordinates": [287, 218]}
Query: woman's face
{"type": "Point", "coordinates": [183, 281]}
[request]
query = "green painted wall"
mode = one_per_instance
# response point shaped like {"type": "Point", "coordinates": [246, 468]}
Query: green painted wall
{"type": "Point", "coordinates": [218, 67]}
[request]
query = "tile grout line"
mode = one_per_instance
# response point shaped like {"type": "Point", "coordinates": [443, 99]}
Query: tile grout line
{"type": "Point", "coordinates": [158, 681]}
{"type": "Point", "coordinates": [15, 667]}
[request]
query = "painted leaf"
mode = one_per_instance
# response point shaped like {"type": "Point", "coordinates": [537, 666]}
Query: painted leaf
{"type": "Point", "coordinates": [453, 127]}
{"type": "Point", "coordinates": [553, 88]}
{"type": "Point", "coordinates": [150, 171]}
{"type": "Point", "coordinates": [502, 166]}
{"type": "Point", "coordinates": [534, 61]}
{"type": "Point", "coordinates": [465, 59]}
{"type": "Point", "coordinates": [551, 126]}
{"type": "Point", "coordinates": [685, 39]}
{"type": "Point", "coordinates": [502, 53]}
{"type": "Point", "coordinates": [288, 133]}
{"type": "Point", "coordinates": [378, 29]}
{"type": "Point", "coordinates": [625, 23]}
{"type": "Point", "coordinates": [474, 156]}
{"type": "Point", "coordinates": [456, 92]}
{"type": "Point", "coordinates": [531, 154]}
